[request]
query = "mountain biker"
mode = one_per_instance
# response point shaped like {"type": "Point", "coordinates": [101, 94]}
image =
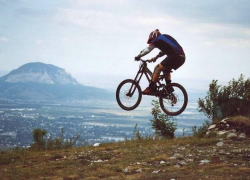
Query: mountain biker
{"type": "Point", "coordinates": [168, 46]}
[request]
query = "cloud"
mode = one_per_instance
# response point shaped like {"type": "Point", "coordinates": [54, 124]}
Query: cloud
{"type": "Point", "coordinates": [4, 39]}
{"type": "Point", "coordinates": [39, 41]}
{"type": "Point", "coordinates": [221, 34]}
{"type": "Point", "coordinates": [212, 11]}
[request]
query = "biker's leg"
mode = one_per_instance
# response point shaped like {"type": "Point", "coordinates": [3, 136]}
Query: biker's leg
{"type": "Point", "coordinates": [168, 77]}
{"type": "Point", "coordinates": [155, 78]}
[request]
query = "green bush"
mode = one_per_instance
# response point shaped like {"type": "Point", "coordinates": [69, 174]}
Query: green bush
{"type": "Point", "coordinates": [51, 144]}
{"type": "Point", "coordinates": [201, 131]}
{"type": "Point", "coordinates": [161, 123]}
{"type": "Point", "coordinates": [39, 142]}
{"type": "Point", "coordinates": [226, 101]}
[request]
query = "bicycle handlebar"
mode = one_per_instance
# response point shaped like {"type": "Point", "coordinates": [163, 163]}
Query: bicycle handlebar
{"type": "Point", "coordinates": [145, 60]}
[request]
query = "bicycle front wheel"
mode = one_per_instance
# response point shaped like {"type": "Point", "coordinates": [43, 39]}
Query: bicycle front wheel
{"type": "Point", "coordinates": [128, 94]}
{"type": "Point", "coordinates": [174, 99]}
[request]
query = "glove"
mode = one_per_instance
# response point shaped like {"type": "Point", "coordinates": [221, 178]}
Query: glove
{"type": "Point", "coordinates": [153, 59]}
{"type": "Point", "coordinates": [137, 58]}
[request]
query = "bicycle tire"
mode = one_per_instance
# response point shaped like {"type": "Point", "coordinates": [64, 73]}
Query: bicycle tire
{"type": "Point", "coordinates": [178, 100]}
{"type": "Point", "coordinates": [121, 92]}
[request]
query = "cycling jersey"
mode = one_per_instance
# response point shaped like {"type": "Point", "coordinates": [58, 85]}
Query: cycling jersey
{"type": "Point", "coordinates": [168, 45]}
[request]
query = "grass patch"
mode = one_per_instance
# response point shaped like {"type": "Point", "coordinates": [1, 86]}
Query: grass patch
{"type": "Point", "coordinates": [180, 158]}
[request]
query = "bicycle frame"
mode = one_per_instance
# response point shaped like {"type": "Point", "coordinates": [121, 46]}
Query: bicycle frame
{"type": "Point", "coordinates": [143, 69]}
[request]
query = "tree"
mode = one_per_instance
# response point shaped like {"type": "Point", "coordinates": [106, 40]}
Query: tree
{"type": "Point", "coordinates": [226, 101]}
{"type": "Point", "coordinates": [161, 123]}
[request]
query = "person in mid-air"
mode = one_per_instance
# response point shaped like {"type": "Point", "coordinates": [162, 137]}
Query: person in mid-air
{"type": "Point", "coordinates": [168, 46]}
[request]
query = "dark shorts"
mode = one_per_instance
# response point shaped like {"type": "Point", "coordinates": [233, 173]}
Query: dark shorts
{"type": "Point", "coordinates": [173, 62]}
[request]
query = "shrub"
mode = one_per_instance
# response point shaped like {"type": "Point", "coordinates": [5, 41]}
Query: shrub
{"type": "Point", "coordinates": [161, 123]}
{"type": "Point", "coordinates": [226, 101]}
{"type": "Point", "coordinates": [39, 142]}
{"type": "Point", "coordinates": [202, 131]}
{"type": "Point", "coordinates": [51, 144]}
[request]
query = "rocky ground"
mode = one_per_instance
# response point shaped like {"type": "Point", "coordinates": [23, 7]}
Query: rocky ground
{"type": "Point", "coordinates": [225, 156]}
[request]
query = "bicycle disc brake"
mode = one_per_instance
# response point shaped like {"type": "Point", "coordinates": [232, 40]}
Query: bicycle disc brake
{"type": "Point", "coordinates": [173, 99]}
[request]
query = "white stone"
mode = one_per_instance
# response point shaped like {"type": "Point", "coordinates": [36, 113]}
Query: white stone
{"type": "Point", "coordinates": [139, 170]}
{"type": "Point", "coordinates": [212, 126]}
{"type": "Point", "coordinates": [182, 162]}
{"type": "Point", "coordinates": [125, 170]}
{"type": "Point", "coordinates": [177, 155]}
{"type": "Point", "coordinates": [156, 172]}
{"type": "Point", "coordinates": [230, 135]}
{"type": "Point", "coordinates": [96, 144]}
{"type": "Point", "coordinates": [162, 162]}
{"type": "Point", "coordinates": [224, 120]}
{"type": "Point", "coordinates": [221, 132]}
{"type": "Point", "coordinates": [220, 144]}
{"type": "Point", "coordinates": [204, 161]}
{"type": "Point", "coordinates": [242, 136]}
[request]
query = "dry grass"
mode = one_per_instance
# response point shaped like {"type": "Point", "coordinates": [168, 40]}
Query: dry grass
{"type": "Point", "coordinates": [180, 158]}
{"type": "Point", "coordinates": [240, 120]}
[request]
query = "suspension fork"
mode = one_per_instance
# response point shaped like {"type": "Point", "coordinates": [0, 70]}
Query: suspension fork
{"type": "Point", "coordinates": [136, 80]}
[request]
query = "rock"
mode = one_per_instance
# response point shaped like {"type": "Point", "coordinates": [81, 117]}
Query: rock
{"type": "Point", "coordinates": [96, 144]}
{"type": "Point", "coordinates": [139, 170]}
{"type": "Point", "coordinates": [221, 132]}
{"type": "Point", "coordinates": [220, 144]}
{"type": "Point", "coordinates": [242, 136]}
{"type": "Point", "coordinates": [182, 162]}
{"type": "Point", "coordinates": [156, 172]}
{"type": "Point", "coordinates": [231, 135]}
{"type": "Point", "coordinates": [162, 162]}
{"type": "Point", "coordinates": [126, 170]}
{"type": "Point", "coordinates": [212, 126]}
{"type": "Point", "coordinates": [177, 155]}
{"type": "Point", "coordinates": [205, 161]}
{"type": "Point", "coordinates": [224, 120]}
{"type": "Point", "coordinates": [172, 157]}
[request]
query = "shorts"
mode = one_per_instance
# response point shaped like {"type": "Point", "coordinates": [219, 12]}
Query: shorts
{"type": "Point", "coordinates": [173, 62]}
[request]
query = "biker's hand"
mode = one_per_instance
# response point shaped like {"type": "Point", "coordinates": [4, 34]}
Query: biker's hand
{"type": "Point", "coordinates": [137, 58]}
{"type": "Point", "coordinates": [153, 59]}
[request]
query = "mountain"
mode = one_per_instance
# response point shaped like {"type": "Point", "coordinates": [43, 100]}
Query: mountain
{"type": "Point", "coordinates": [45, 82]}
{"type": "Point", "coordinates": [39, 73]}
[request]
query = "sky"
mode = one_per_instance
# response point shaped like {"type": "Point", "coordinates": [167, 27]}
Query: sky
{"type": "Point", "coordinates": [96, 40]}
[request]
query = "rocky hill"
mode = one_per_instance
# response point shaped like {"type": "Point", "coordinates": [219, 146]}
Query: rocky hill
{"type": "Point", "coordinates": [39, 73]}
{"type": "Point", "coordinates": [46, 82]}
{"type": "Point", "coordinates": [217, 157]}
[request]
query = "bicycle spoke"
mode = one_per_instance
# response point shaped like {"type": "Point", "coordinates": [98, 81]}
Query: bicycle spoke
{"type": "Point", "coordinates": [128, 95]}
{"type": "Point", "coordinates": [174, 103]}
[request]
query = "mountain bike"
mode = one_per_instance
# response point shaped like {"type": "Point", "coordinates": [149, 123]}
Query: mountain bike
{"type": "Point", "coordinates": [173, 97]}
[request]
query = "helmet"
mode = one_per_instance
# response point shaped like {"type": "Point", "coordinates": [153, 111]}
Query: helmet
{"type": "Point", "coordinates": [154, 34]}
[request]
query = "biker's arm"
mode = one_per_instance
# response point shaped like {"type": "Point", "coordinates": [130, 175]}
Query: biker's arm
{"type": "Point", "coordinates": [159, 55]}
{"type": "Point", "coordinates": [146, 50]}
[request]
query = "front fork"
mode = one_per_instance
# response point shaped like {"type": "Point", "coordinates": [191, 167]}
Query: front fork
{"type": "Point", "coordinates": [136, 80]}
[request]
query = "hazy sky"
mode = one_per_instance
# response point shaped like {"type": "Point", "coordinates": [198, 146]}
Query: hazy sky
{"type": "Point", "coordinates": [102, 37]}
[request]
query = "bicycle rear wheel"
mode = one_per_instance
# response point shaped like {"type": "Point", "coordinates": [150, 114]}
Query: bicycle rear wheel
{"type": "Point", "coordinates": [128, 94]}
{"type": "Point", "coordinates": [173, 103]}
